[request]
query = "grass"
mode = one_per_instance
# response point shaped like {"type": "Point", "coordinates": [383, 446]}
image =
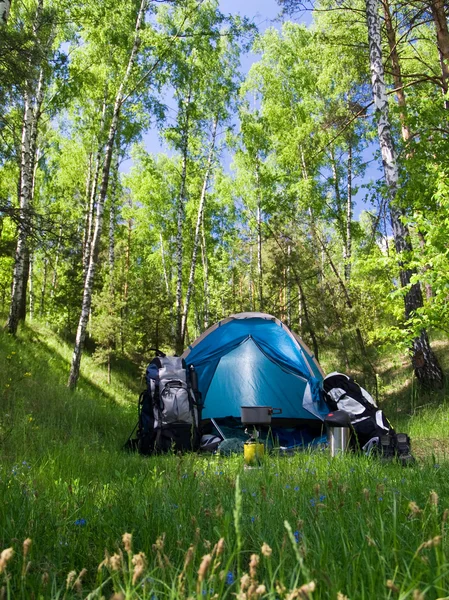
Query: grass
{"type": "Point", "coordinates": [332, 528]}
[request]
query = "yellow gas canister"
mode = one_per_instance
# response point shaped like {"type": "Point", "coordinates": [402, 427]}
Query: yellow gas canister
{"type": "Point", "coordinates": [253, 452]}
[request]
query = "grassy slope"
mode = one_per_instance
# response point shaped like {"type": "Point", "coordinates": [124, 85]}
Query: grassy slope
{"type": "Point", "coordinates": [66, 484]}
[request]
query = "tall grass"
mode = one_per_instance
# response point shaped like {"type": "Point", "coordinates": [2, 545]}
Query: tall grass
{"type": "Point", "coordinates": [303, 526]}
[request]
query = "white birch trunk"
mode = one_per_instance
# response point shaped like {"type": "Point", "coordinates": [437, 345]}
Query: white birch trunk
{"type": "Point", "coordinates": [5, 7]}
{"type": "Point", "coordinates": [424, 361]}
{"type": "Point", "coordinates": [348, 240]}
{"type": "Point", "coordinates": [44, 287]}
{"type": "Point", "coordinates": [441, 28]}
{"type": "Point", "coordinates": [205, 274]}
{"type": "Point", "coordinates": [259, 242]}
{"type": "Point", "coordinates": [95, 246]}
{"type": "Point", "coordinates": [31, 285]}
{"type": "Point", "coordinates": [93, 190]}
{"type": "Point", "coordinates": [179, 240]}
{"type": "Point", "coordinates": [196, 240]}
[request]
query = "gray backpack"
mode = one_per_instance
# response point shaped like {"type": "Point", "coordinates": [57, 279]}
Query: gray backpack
{"type": "Point", "coordinates": [168, 408]}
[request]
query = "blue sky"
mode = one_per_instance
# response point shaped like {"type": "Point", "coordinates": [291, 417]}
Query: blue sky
{"type": "Point", "coordinates": [264, 13]}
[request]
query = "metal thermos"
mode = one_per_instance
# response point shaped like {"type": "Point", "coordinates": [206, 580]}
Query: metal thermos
{"type": "Point", "coordinates": [338, 431]}
{"type": "Point", "coordinates": [193, 378]}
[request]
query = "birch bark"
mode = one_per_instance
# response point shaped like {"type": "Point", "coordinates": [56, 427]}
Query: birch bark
{"type": "Point", "coordinates": [199, 220]}
{"type": "Point", "coordinates": [441, 28]}
{"type": "Point", "coordinates": [5, 7]}
{"type": "Point", "coordinates": [424, 361]}
{"type": "Point", "coordinates": [95, 246]}
{"type": "Point", "coordinates": [182, 199]}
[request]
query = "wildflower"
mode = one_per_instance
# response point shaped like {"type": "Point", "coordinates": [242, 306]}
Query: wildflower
{"type": "Point", "coordinates": [287, 487]}
{"type": "Point", "coordinates": [322, 498]}
{"type": "Point", "coordinates": [312, 501]}
{"type": "Point", "coordinates": [296, 488]}
{"type": "Point", "coordinates": [380, 499]}
{"type": "Point", "coordinates": [230, 578]}
{"type": "Point", "coordinates": [27, 374]}
{"type": "Point", "coordinates": [253, 494]}
{"type": "Point", "coordinates": [80, 522]}
{"type": "Point", "coordinates": [5, 557]}
{"type": "Point", "coordinates": [253, 519]}
{"type": "Point", "coordinates": [266, 550]}
{"type": "Point", "coordinates": [297, 536]}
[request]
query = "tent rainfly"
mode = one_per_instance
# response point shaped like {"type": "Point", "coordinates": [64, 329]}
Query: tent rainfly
{"type": "Point", "coordinates": [252, 359]}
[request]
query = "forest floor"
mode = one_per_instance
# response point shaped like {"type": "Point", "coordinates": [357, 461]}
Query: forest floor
{"type": "Point", "coordinates": [318, 527]}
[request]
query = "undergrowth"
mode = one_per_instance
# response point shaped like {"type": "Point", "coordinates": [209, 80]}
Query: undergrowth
{"type": "Point", "coordinates": [199, 526]}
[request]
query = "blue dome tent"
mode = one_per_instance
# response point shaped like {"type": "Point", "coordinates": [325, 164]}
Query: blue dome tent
{"type": "Point", "coordinates": [253, 359]}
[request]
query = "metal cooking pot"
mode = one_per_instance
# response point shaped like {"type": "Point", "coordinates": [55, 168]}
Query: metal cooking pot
{"type": "Point", "coordinates": [258, 415]}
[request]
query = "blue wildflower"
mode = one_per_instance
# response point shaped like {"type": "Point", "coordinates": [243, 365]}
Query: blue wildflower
{"type": "Point", "coordinates": [80, 522]}
{"type": "Point", "coordinates": [230, 578]}
{"type": "Point", "coordinates": [253, 519]}
{"type": "Point", "coordinates": [287, 487]}
{"type": "Point", "coordinates": [312, 501]}
{"type": "Point", "coordinates": [380, 498]}
{"type": "Point", "coordinates": [253, 494]}
{"type": "Point", "coordinates": [297, 536]}
{"type": "Point", "coordinates": [322, 498]}
{"type": "Point", "coordinates": [297, 488]}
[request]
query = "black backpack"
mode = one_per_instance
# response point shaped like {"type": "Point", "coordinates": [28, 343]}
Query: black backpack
{"type": "Point", "coordinates": [169, 408]}
{"type": "Point", "coordinates": [368, 422]}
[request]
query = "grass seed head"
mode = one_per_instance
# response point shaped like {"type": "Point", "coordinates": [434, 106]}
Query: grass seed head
{"type": "Point", "coordinates": [433, 498]}
{"type": "Point", "coordinates": [266, 550]}
{"type": "Point", "coordinates": [45, 579]}
{"type": "Point", "coordinates": [414, 509]}
{"type": "Point", "coordinates": [127, 542]}
{"type": "Point", "coordinates": [78, 585]}
{"type": "Point", "coordinates": [115, 562]}
{"type": "Point", "coordinates": [189, 557]}
{"type": "Point", "coordinates": [366, 493]}
{"type": "Point", "coordinates": [417, 595]}
{"type": "Point", "coordinates": [253, 564]}
{"type": "Point", "coordinates": [370, 540]}
{"type": "Point", "coordinates": [245, 581]}
{"type": "Point", "coordinates": [392, 586]}
{"type": "Point", "coordinates": [26, 547]}
{"type": "Point", "coordinates": [204, 567]}
{"type": "Point", "coordinates": [5, 557]}
{"type": "Point", "coordinates": [70, 579]}
{"type": "Point", "coordinates": [261, 589]}
{"type": "Point", "coordinates": [445, 515]}
{"type": "Point", "coordinates": [341, 596]}
{"type": "Point", "coordinates": [140, 562]}
{"type": "Point", "coordinates": [220, 546]}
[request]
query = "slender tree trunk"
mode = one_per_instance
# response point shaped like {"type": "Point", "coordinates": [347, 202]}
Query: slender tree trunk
{"type": "Point", "coordinates": [31, 285]}
{"type": "Point", "coordinates": [44, 287]}
{"type": "Point", "coordinates": [259, 241]}
{"type": "Point", "coordinates": [95, 246]}
{"type": "Point", "coordinates": [396, 70]}
{"type": "Point", "coordinates": [305, 312]}
{"type": "Point", "coordinates": [5, 7]}
{"type": "Point", "coordinates": [289, 288]}
{"type": "Point", "coordinates": [205, 274]}
{"type": "Point", "coordinates": [182, 199]}
{"type": "Point", "coordinates": [441, 28]}
{"type": "Point", "coordinates": [348, 240]}
{"type": "Point", "coordinates": [196, 239]}
{"type": "Point", "coordinates": [93, 189]}
{"type": "Point", "coordinates": [33, 97]}
{"type": "Point", "coordinates": [424, 361]}
{"type": "Point", "coordinates": [54, 280]}
{"type": "Point", "coordinates": [167, 287]}
{"type": "Point", "coordinates": [124, 309]}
